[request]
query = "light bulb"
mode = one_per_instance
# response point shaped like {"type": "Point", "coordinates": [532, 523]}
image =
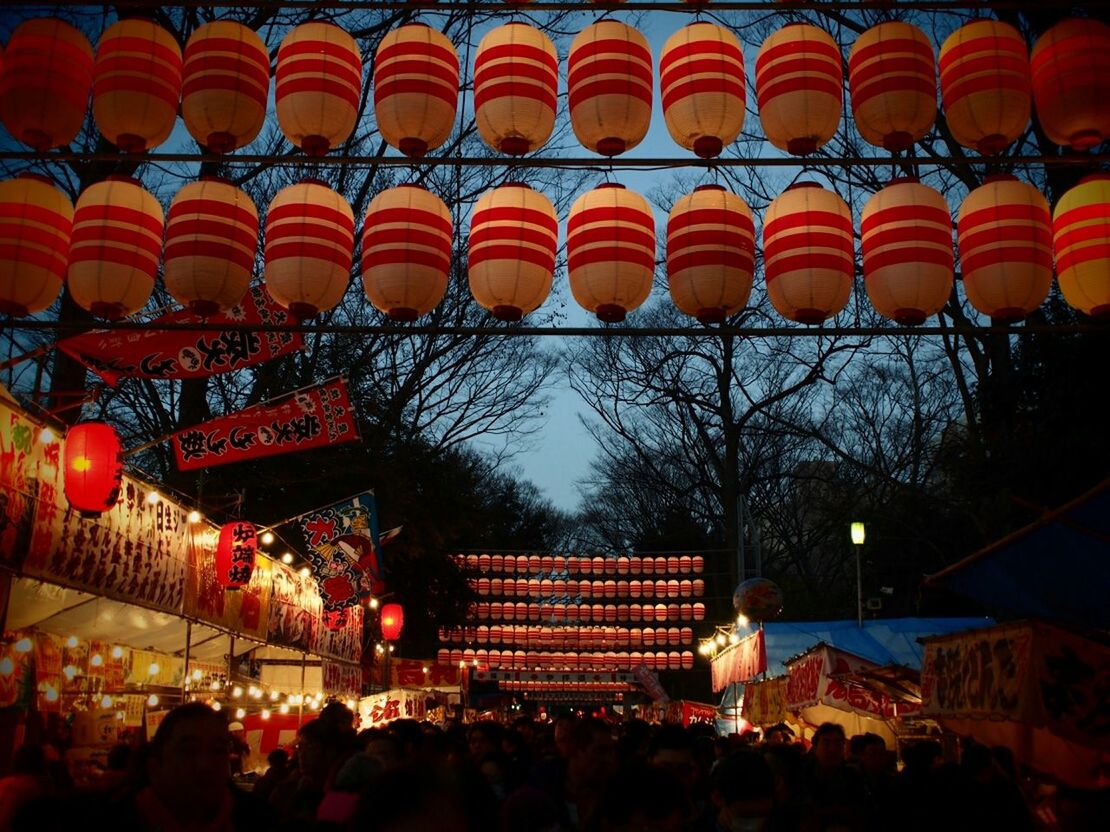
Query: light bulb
{"type": "Point", "coordinates": [46, 436]}
{"type": "Point", "coordinates": [96, 660]}
{"type": "Point", "coordinates": [197, 675]}
{"type": "Point", "coordinates": [71, 642]}
{"type": "Point", "coordinates": [236, 692]}
{"type": "Point", "coordinates": [743, 620]}
{"type": "Point", "coordinates": [265, 713]}
{"type": "Point", "coordinates": [24, 645]}
{"type": "Point", "coordinates": [152, 700]}
{"type": "Point", "coordinates": [283, 708]}
{"type": "Point", "coordinates": [70, 671]}
{"type": "Point", "coordinates": [194, 516]}
{"type": "Point", "coordinates": [216, 705]}
{"type": "Point", "coordinates": [274, 696]}
{"type": "Point", "coordinates": [305, 571]}
{"type": "Point", "coordinates": [733, 638]}
{"type": "Point", "coordinates": [267, 538]}
{"type": "Point", "coordinates": [240, 713]}
{"type": "Point", "coordinates": [117, 652]}
{"type": "Point", "coordinates": [7, 666]}
{"type": "Point", "coordinates": [106, 702]}
{"type": "Point", "coordinates": [152, 497]}
{"type": "Point", "coordinates": [424, 669]}
{"type": "Point", "coordinates": [153, 669]}
{"type": "Point", "coordinates": [51, 693]}
{"type": "Point", "coordinates": [721, 639]}
{"type": "Point", "coordinates": [373, 603]}
{"type": "Point", "coordinates": [215, 685]}
{"type": "Point", "coordinates": [287, 558]}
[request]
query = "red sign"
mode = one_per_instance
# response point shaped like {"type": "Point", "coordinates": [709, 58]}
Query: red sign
{"type": "Point", "coordinates": [741, 662]}
{"type": "Point", "coordinates": [414, 673]}
{"type": "Point", "coordinates": [696, 712]}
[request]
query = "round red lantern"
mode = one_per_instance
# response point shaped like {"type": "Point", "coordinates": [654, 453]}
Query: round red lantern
{"type": "Point", "coordinates": [45, 83]}
{"type": "Point", "coordinates": [699, 611]}
{"type": "Point", "coordinates": [698, 564]}
{"type": "Point", "coordinates": [985, 85]}
{"type": "Point", "coordinates": [1071, 82]}
{"type": "Point", "coordinates": [115, 248]}
{"type": "Point", "coordinates": [699, 587]}
{"type": "Point", "coordinates": [516, 81]}
{"type": "Point", "coordinates": [1081, 240]}
{"type": "Point", "coordinates": [393, 619]}
{"type": "Point", "coordinates": [685, 563]}
{"type": "Point", "coordinates": [36, 220]}
{"type": "Point", "coordinates": [892, 76]}
{"type": "Point", "coordinates": [609, 87]}
{"type": "Point", "coordinates": [798, 84]}
{"type": "Point", "coordinates": [211, 241]}
{"type": "Point", "coordinates": [406, 252]}
{"type": "Point", "coordinates": [610, 251]}
{"type": "Point", "coordinates": [93, 467]}
{"type": "Point", "coordinates": [235, 552]}
{"type": "Point", "coordinates": [701, 85]}
{"type": "Point", "coordinates": [136, 84]}
{"type": "Point", "coordinates": [416, 88]}
{"type": "Point", "coordinates": [808, 253]}
{"type": "Point", "coordinates": [687, 660]}
{"type": "Point", "coordinates": [225, 84]}
{"type": "Point", "coordinates": [318, 85]}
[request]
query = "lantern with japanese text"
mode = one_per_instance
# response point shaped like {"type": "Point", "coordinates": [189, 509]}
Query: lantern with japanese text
{"type": "Point", "coordinates": [710, 253]}
{"type": "Point", "coordinates": [516, 83]}
{"type": "Point", "coordinates": [93, 467]}
{"type": "Point", "coordinates": [393, 619]}
{"type": "Point", "coordinates": [406, 252]}
{"type": "Point", "coordinates": [808, 253]}
{"type": "Point", "coordinates": [701, 85]}
{"type": "Point", "coordinates": [892, 76]}
{"type": "Point", "coordinates": [610, 251]}
{"type": "Point", "coordinates": [609, 87]}
{"type": "Point", "coordinates": [115, 247]}
{"type": "Point", "coordinates": [136, 84]}
{"type": "Point", "coordinates": [318, 82]}
{"type": "Point", "coordinates": [235, 551]}
{"type": "Point", "coordinates": [211, 239]}
{"type": "Point", "coordinates": [1081, 240]}
{"type": "Point", "coordinates": [798, 87]}
{"type": "Point", "coordinates": [906, 234]}
{"type": "Point", "coordinates": [1071, 82]}
{"type": "Point", "coordinates": [225, 84]}
{"type": "Point", "coordinates": [310, 236]}
{"type": "Point", "coordinates": [513, 237]}
{"type": "Point", "coordinates": [416, 88]}
{"type": "Point", "coordinates": [985, 85]}
{"type": "Point", "coordinates": [35, 224]}
{"type": "Point", "coordinates": [45, 83]}
{"type": "Point", "coordinates": [1004, 232]}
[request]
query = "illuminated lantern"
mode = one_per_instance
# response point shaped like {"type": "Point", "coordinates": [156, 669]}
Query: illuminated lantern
{"type": "Point", "coordinates": [1004, 231]}
{"type": "Point", "coordinates": [136, 84]}
{"type": "Point", "coordinates": [393, 619]}
{"type": "Point", "coordinates": [892, 76]}
{"type": "Point", "coordinates": [482, 586]}
{"type": "Point", "coordinates": [497, 563]}
{"type": "Point", "coordinates": [672, 565]}
{"type": "Point", "coordinates": [93, 465]}
{"type": "Point", "coordinates": [906, 233]}
{"type": "Point", "coordinates": [698, 563]}
{"type": "Point", "coordinates": [516, 81]}
{"type": "Point", "coordinates": [610, 251]}
{"type": "Point", "coordinates": [406, 252]}
{"type": "Point", "coordinates": [660, 566]}
{"type": "Point", "coordinates": [699, 587]}
{"type": "Point", "coordinates": [699, 611]}
{"type": "Point", "coordinates": [1071, 82]}
{"type": "Point", "coordinates": [318, 82]}
{"type": "Point", "coordinates": [211, 240]}
{"type": "Point", "coordinates": [225, 84]}
{"type": "Point", "coordinates": [798, 88]}
{"type": "Point", "coordinates": [235, 553]}
{"type": "Point", "coordinates": [599, 565]}
{"type": "Point", "coordinates": [115, 248]}
{"type": "Point", "coordinates": [416, 88]}
{"type": "Point", "coordinates": [1081, 240]}
{"type": "Point", "coordinates": [985, 85]}
{"type": "Point", "coordinates": [673, 588]}
{"type": "Point", "coordinates": [45, 83]}
{"type": "Point", "coordinates": [35, 224]}
{"type": "Point", "coordinates": [623, 564]}
{"type": "Point", "coordinates": [685, 563]}
{"type": "Point", "coordinates": [686, 587]}
{"type": "Point", "coordinates": [701, 85]}
{"type": "Point", "coordinates": [687, 660]}
{"type": "Point", "coordinates": [609, 87]}
{"type": "Point", "coordinates": [808, 253]}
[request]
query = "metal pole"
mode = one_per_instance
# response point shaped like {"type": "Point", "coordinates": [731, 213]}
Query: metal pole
{"type": "Point", "coordinates": [231, 660]}
{"type": "Point", "coordinates": [300, 702]}
{"type": "Point", "coordinates": [188, 645]}
{"type": "Point", "coordinates": [859, 588]}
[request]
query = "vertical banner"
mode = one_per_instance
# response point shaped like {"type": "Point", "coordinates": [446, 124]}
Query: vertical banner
{"type": "Point", "coordinates": [342, 679]}
{"type": "Point", "coordinates": [294, 609]}
{"type": "Point", "coordinates": [245, 610]}
{"type": "Point", "coordinates": [740, 662]}
{"type": "Point", "coordinates": [22, 454]}
{"type": "Point", "coordinates": [344, 551]}
{"type": "Point", "coordinates": [344, 642]}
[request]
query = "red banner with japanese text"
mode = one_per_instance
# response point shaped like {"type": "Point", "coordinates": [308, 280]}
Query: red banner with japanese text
{"type": "Point", "coordinates": [343, 642]}
{"type": "Point", "coordinates": [383, 708]}
{"type": "Point", "coordinates": [823, 675]}
{"type": "Point", "coordinates": [418, 673]}
{"type": "Point", "coordinates": [22, 455]}
{"type": "Point", "coordinates": [245, 610]}
{"type": "Point", "coordinates": [698, 713]}
{"type": "Point", "coordinates": [739, 662]}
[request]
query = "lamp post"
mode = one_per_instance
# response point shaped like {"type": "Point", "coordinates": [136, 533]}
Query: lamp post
{"type": "Point", "coordinates": [859, 534]}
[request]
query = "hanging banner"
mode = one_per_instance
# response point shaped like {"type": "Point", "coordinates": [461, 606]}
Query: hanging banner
{"type": "Point", "coordinates": [161, 353]}
{"type": "Point", "coordinates": [22, 454]}
{"type": "Point", "coordinates": [294, 609]}
{"type": "Point", "coordinates": [245, 610]}
{"type": "Point", "coordinates": [739, 662]}
{"type": "Point", "coordinates": [343, 643]}
{"type": "Point", "coordinates": [343, 549]}
{"type": "Point", "coordinates": [342, 679]}
{"type": "Point", "coordinates": [697, 713]}
{"type": "Point", "coordinates": [383, 708]}
{"type": "Point", "coordinates": [159, 669]}
{"type": "Point", "coordinates": [822, 676]}
{"type": "Point", "coordinates": [17, 686]}
{"type": "Point", "coordinates": [418, 673]}
{"type": "Point", "coordinates": [764, 702]}
{"type": "Point", "coordinates": [316, 417]}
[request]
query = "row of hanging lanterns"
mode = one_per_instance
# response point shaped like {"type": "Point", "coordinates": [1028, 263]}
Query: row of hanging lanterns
{"type": "Point", "coordinates": [534, 587]}
{"type": "Point", "coordinates": [527, 659]}
{"type": "Point", "coordinates": [609, 613]}
{"type": "Point", "coordinates": [138, 75]}
{"type": "Point", "coordinates": [583, 564]}
{"type": "Point", "coordinates": [540, 636]}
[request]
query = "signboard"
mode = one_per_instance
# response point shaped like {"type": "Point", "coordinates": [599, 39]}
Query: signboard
{"type": "Point", "coordinates": [698, 713]}
{"type": "Point", "coordinates": [543, 676]}
{"type": "Point", "coordinates": [765, 702]}
{"type": "Point", "coordinates": [294, 609]}
{"type": "Point", "coordinates": [410, 673]}
{"type": "Point", "coordinates": [819, 676]}
{"type": "Point", "coordinates": [22, 454]}
{"type": "Point", "coordinates": [739, 662]}
{"type": "Point", "coordinates": [399, 703]}
{"type": "Point", "coordinates": [341, 679]}
{"type": "Point", "coordinates": [245, 610]}
{"type": "Point", "coordinates": [344, 644]}
{"type": "Point", "coordinates": [168, 671]}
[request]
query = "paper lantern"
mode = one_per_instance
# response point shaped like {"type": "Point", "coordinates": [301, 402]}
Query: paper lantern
{"type": "Point", "coordinates": [93, 466]}
{"type": "Point", "coordinates": [798, 88]}
{"type": "Point", "coordinates": [699, 611]}
{"type": "Point", "coordinates": [687, 660]}
{"type": "Point", "coordinates": [235, 551]}
{"type": "Point", "coordinates": [393, 619]}
{"type": "Point", "coordinates": [698, 563]}
{"type": "Point", "coordinates": [45, 83]}
{"type": "Point", "coordinates": [211, 240]}
{"type": "Point", "coordinates": [416, 88]}
{"type": "Point", "coordinates": [892, 76]}
{"type": "Point", "coordinates": [136, 84]}
{"type": "Point", "coordinates": [225, 84]}
{"type": "Point", "coordinates": [115, 248]}
{"type": "Point", "coordinates": [701, 85]}
{"type": "Point", "coordinates": [906, 232]}
{"type": "Point", "coordinates": [985, 85]}
{"type": "Point", "coordinates": [610, 251]}
{"type": "Point", "coordinates": [1071, 82]}
{"type": "Point", "coordinates": [808, 253]}
{"type": "Point", "coordinates": [516, 83]}
{"type": "Point", "coordinates": [609, 87]}
{"type": "Point", "coordinates": [406, 252]}
{"type": "Point", "coordinates": [36, 220]}
{"type": "Point", "coordinates": [1081, 240]}
{"type": "Point", "coordinates": [1004, 232]}
{"type": "Point", "coordinates": [318, 85]}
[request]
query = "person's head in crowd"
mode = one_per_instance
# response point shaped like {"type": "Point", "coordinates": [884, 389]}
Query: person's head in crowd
{"type": "Point", "coordinates": [278, 759]}
{"type": "Point", "coordinates": [870, 754]}
{"type": "Point", "coordinates": [742, 788]}
{"type": "Point", "coordinates": [315, 748]}
{"type": "Point", "coordinates": [497, 769]}
{"type": "Point", "coordinates": [564, 727]}
{"type": "Point", "coordinates": [385, 748]}
{"type": "Point", "coordinates": [829, 744]}
{"type": "Point", "coordinates": [410, 735]}
{"type": "Point", "coordinates": [188, 766]}
{"type": "Point", "coordinates": [672, 748]}
{"type": "Point", "coordinates": [526, 727]}
{"type": "Point", "coordinates": [119, 757]}
{"type": "Point", "coordinates": [643, 799]}
{"type": "Point", "coordinates": [921, 757]}
{"type": "Point", "coordinates": [593, 754]}
{"type": "Point", "coordinates": [779, 734]}
{"type": "Point", "coordinates": [420, 798]}
{"type": "Point", "coordinates": [338, 718]}
{"type": "Point", "coordinates": [483, 738]}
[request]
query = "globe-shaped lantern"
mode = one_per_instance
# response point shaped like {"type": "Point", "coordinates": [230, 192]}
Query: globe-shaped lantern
{"type": "Point", "coordinates": [758, 599]}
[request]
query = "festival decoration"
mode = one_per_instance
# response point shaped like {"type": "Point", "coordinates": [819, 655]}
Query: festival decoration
{"type": "Point", "coordinates": [516, 83]}
{"type": "Point", "coordinates": [344, 550]}
{"type": "Point", "coordinates": [758, 599]}
{"type": "Point", "coordinates": [1071, 82]}
{"type": "Point", "coordinates": [235, 552]}
{"type": "Point", "coordinates": [35, 224]}
{"type": "Point", "coordinates": [1081, 240]}
{"type": "Point", "coordinates": [93, 466]}
{"type": "Point", "coordinates": [393, 620]}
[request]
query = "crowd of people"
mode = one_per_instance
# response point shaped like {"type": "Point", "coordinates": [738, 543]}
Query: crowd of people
{"type": "Point", "coordinates": [574, 773]}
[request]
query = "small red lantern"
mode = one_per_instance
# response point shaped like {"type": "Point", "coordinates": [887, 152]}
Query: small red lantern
{"type": "Point", "coordinates": [93, 467]}
{"type": "Point", "coordinates": [235, 555]}
{"type": "Point", "coordinates": [393, 619]}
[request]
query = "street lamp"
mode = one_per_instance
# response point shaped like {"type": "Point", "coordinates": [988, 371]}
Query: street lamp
{"type": "Point", "coordinates": [859, 534]}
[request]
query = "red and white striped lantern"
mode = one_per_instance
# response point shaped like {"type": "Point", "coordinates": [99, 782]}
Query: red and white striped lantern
{"type": "Point", "coordinates": [36, 220]}
{"type": "Point", "coordinates": [1071, 82]}
{"type": "Point", "coordinates": [701, 85]}
{"type": "Point", "coordinates": [416, 88]}
{"type": "Point", "coordinates": [609, 87]}
{"type": "Point", "coordinates": [406, 252]}
{"type": "Point", "coordinates": [610, 251]}
{"type": "Point", "coordinates": [1081, 240]}
{"type": "Point", "coordinates": [516, 83]}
